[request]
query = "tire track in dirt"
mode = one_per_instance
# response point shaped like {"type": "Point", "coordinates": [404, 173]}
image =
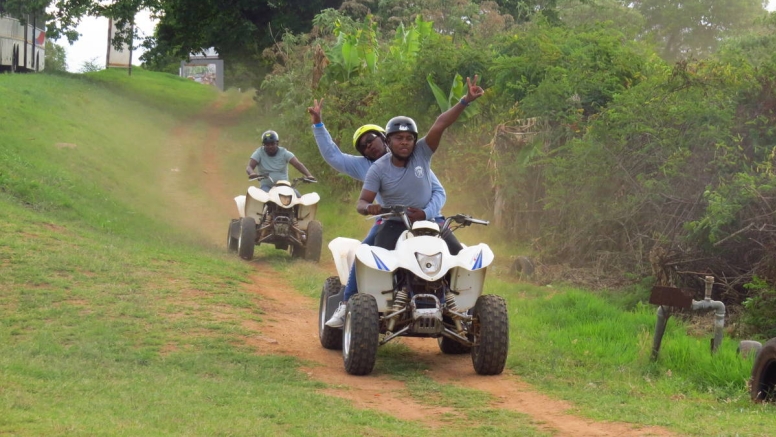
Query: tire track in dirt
{"type": "Point", "coordinates": [290, 328]}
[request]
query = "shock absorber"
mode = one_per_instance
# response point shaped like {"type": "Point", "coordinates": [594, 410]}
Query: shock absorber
{"type": "Point", "coordinates": [399, 302]}
{"type": "Point", "coordinates": [453, 307]}
{"type": "Point", "coordinates": [401, 299]}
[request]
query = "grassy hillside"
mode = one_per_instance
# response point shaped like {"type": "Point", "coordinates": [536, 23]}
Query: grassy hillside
{"type": "Point", "coordinates": [120, 313]}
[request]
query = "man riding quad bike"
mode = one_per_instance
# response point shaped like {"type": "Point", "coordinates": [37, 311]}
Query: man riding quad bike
{"type": "Point", "coordinates": [281, 217]}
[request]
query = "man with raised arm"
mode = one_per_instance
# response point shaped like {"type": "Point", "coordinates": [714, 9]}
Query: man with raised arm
{"type": "Point", "coordinates": [403, 177]}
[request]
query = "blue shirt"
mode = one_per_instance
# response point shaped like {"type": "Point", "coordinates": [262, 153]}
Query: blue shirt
{"type": "Point", "coordinates": [276, 167]}
{"type": "Point", "coordinates": [409, 185]}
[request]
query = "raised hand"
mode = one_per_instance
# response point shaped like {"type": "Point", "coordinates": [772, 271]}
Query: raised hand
{"type": "Point", "coordinates": [315, 111]}
{"type": "Point", "coordinates": [474, 90]}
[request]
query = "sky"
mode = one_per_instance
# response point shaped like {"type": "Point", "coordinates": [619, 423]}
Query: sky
{"type": "Point", "coordinates": [93, 43]}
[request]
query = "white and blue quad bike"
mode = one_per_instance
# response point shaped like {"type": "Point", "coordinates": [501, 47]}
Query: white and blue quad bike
{"type": "Point", "coordinates": [416, 290]}
{"type": "Point", "coordinates": [281, 217]}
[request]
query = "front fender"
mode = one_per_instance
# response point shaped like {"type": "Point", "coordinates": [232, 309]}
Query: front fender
{"type": "Point", "coordinates": [344, 252]}
{"type": "Point", "coordinates": [240, 201]}
{"type": "Point", "coordinates": [309, 199]}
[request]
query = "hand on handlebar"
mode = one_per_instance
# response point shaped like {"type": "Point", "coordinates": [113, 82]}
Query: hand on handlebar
{"type": "Point", "coordinates": [374, 209]}
{"type": "Point", "coordinates": [415, 214]}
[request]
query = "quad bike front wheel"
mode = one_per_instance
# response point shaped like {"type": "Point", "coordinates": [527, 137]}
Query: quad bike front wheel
{"type": "Point", "coordinates": [246, 244]}
{"type": "Point", "coordinates": [233, 236]}
{"type": "Point", "coordinates": [763, 382]}
{"type": "Point", "coordinates": [490, 326]}
{"type": "Point", "coordinates": [331, 338]}
{"type": "Point", "coordinates": [312, 251]}
{"type": "Point", "coordinates": [361, 334]}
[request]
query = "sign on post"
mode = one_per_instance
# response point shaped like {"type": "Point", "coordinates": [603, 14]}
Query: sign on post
{"type": "Point", "coordinates": [121, 58]}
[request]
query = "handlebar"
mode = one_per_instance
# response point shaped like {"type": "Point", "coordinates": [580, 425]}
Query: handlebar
{"type": "Point", "coordinates": [462, 220]}
{"type": "Point", "coordinates": [293, 182]}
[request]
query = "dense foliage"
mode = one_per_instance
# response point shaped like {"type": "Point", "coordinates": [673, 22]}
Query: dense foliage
{"type": "Point", "coordinates": [608, 139]}
{"type": "Point", "coordinates": [588, 144]}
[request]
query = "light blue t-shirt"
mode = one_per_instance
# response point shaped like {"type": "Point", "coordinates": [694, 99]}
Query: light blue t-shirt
{"type": "Point", "coordinates": [409, 185]}
{"type": "Point", "coordinates": [276, 167]}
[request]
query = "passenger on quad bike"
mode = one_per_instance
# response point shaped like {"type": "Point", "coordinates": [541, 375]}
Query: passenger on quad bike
{"type": "Point", "coordinates": [369, 141]}
{"type": "Point", "coordinates": [272, 162]}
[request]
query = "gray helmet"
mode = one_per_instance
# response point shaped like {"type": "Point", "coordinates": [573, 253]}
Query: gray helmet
{"type": "Point", "coordinates": [269, 136]}
{"type": "Point", "coordinates": [401, 124]}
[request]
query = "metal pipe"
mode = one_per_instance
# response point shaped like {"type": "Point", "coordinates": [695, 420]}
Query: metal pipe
{"type": "Point", "coordinates": [663, 313]}
{"type": "Point", "coordinates": [719, 318]}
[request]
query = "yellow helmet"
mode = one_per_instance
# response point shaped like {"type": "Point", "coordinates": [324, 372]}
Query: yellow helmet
{"type": "Point", "coordinates": [364, 129]}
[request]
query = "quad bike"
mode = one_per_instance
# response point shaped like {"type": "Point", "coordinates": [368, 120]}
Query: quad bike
{"type": "Point", "coordinates": [416, 290]}
{"type": "Point", "coordinates": [281, 217]}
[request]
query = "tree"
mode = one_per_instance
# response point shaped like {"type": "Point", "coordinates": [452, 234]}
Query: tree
{"type": "Point", "coordinates": [232, 27]}
{"type": "Point", "coordinates": [695, 28]}
{"type": "Point", "coordinates": [56, 58]}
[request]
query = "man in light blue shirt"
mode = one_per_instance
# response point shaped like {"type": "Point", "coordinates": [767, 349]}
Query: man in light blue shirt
{"type": "Point", "coordinates": [272, 161]}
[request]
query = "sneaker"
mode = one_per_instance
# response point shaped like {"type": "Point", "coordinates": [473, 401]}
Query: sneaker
{"type": "Point", "coordinates": [338, 318]}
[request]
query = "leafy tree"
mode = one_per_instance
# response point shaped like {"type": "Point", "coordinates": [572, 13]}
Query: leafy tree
{"type": "Point", "coordinates": [683, 29]}
{"type": "Point", "coordinates": [523, 10]}
{"type": "Point", "coordinates": [56, 58]}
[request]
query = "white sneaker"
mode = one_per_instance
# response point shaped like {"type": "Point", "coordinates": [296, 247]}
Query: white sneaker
{"type": "Point", "coordinates": [338, 318]}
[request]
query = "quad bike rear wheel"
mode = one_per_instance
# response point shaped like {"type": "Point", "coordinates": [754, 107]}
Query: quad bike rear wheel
{"type": "Point", "coordinates": [233, 236]}
{"type": "Point", "coordinates": [331, 338]}
{"type": "Point", "coordinates": [490, 327]}
{"type": "Point", "coordinates": [763, 382]}
{"type": "Point", "coordinates": [361, 334]}
{"type": "Point", "coordinates": [246, 244]}
{"type": "Point", "coordinates": [312, 251]}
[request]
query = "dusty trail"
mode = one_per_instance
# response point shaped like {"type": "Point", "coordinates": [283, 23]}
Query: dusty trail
{"type": "Point", "coordinates": [285, 308]}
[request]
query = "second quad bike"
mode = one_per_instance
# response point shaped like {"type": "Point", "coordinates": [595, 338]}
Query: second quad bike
{"type": "Point", "coordinates": [281, 217]}
{"type": "Point", "coordinates": [417, 290]}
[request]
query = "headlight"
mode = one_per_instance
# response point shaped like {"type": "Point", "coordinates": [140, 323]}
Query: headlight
{"type": "Point", "coordinates": [429, 264]}
{"type": "Point", "coordinates": [285, 200]}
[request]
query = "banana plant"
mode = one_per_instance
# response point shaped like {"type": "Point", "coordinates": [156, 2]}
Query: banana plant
{"type": "Point", "coordinates": [457, 90]}
{"type": "Point", "coordinates": [407, 42]}
{"type": "Point", "coordinates": [354, 53]}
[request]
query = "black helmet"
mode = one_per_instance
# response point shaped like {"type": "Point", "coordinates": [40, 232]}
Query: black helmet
{"type": "Point", "coordinates": [269, 136]}
{"type": "Point", "coordinates": [401, 124]}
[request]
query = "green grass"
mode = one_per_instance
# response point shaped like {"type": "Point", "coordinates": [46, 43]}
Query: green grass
{"type": "Point", "coordinates": [119, 317]}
